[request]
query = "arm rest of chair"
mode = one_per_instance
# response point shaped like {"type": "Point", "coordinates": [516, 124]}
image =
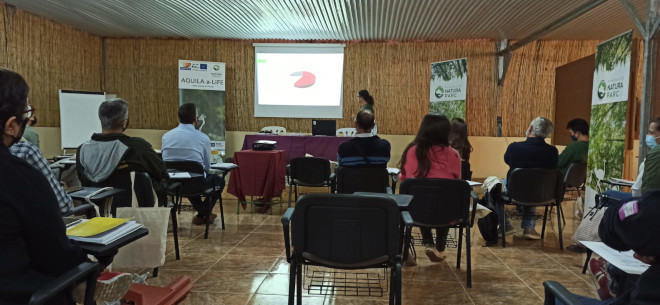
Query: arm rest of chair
{"type": "Point", "coordinates": [286, 220]}
{"type": "Point", "coordinates": [555, 290]}
{"type": "Point", "coordinates": [89, 270]}
{"type": "Point", "coordinates": [408, 224]}
{"type": "Point", "coordinates": [88, 208]}
{"type": "Point", "coordinates": [388, 190]}
{"type": "Point", "coordinates": [475, 200]}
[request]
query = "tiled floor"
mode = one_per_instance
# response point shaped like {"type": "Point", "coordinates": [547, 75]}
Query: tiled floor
{"type": "Point", "coordinates": [245, 264]}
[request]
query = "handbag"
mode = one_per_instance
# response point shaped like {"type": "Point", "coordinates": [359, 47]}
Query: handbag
{"type": "Point", "coordinates": [588, 228]}
{"type": "Point", "coordinates": [149, 251]}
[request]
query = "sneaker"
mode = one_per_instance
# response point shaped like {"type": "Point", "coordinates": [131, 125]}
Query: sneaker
{"type": "Point", "coordinates": [508, 230]}
{"type": "Point", "coordinates": [433, 256]}
{"type": "Point", "coordinates": [598, 271]}
{"type": "Point", "coordinates": [531, 234]}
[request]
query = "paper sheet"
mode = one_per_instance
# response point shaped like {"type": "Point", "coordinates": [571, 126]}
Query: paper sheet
{"type": "Point", "coordinates": [622, 260]}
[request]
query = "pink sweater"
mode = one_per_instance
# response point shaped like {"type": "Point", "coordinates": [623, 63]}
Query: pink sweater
{"type": "Point", "coordinates": [445, 163]}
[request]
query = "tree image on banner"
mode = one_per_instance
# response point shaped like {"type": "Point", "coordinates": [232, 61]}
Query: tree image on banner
{"type": "Point", "coordinates": [448, 88]}
{"type": "Point", "coordinates": [608, 114]}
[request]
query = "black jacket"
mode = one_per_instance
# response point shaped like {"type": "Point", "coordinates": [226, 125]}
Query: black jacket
{"type": "Point", "coordinates": [532, 153]}
{"type": "Point", "coordinates": [34, 248]}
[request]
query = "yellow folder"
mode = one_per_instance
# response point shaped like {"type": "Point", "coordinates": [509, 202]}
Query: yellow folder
{"type": "Point", "coordinates": [95, 226]}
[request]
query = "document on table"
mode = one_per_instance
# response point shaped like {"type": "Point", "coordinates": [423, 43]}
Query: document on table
{"type": "Point", "coordinates": [180, 175]}
{"type": "Point", "coordinates": [473, 183]}
{"type": "Point", "coordinates": [223, 166]}
{"type": "Point", "coordinates": [622, 260]}
{"type": "Point", "coordinates": [622, 181]}
{"type": "Point", "coordinates": [393, 170]}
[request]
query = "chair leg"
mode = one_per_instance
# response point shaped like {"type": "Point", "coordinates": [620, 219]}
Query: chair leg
{"type": "Point", "coordinates": [295, 192]}
{"type": "Point", "coordinates": [398, 283]}
{"type": "Point", "coordinates": [460, 244]}
{"type": "Point", "coordinates": [392, 284]}
{"type": "Point", "coordinates": [561, 209]}
{"type": "Point", "coordinates": [222, 213]}
{"type": "Point", "coordinates": [561, 237]}
{"type": "Point", "coordinates": [586, 262]}
{"type": "Point", "coordinates": [545, 218]}
{"type": "Point", "coordinates": [155, 272]}
{"type": "Point", "coordinates": [503, 226]}
{"type": "Point", "coordinates": [290, 190]}
{"type": "Point", "coordinates": [292, 280]}
{"type": "Point", "coordinates": [175, 232]}
{"type": "Point", "coordinates": [299, 276]}
{"type": "Point", "coordinates": [468, 256]}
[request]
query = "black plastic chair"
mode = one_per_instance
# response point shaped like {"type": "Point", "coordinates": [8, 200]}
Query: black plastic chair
{"type": "Point", "coordinates": [88, 271]}
{"type": "Point", "coordinates": [346, 232]}
{"type": "Point", "coordinates": [195, 187]}
{"type": "Point", "coordinates": [443, 203]}
{"type": "Point", "coordinates": [554, 290]}
{"type": "Point", "coordinates": [466, 173]}
{"type": "Point", "coordinates": [574, 181]}
{"type": "Point", "coordinates": [535, 187]}
{"type": "Point", "coordinates": [351, 179]}
{"type": "Point", "coordinates": [309, 171]}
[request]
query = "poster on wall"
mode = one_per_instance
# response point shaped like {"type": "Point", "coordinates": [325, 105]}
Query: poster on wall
{"type": "Point", "coordinates": [449, 87]}
{"type": "Point", "coordinates": [203, 83]}
{"type": "Point", "coordinates": [609, 101]}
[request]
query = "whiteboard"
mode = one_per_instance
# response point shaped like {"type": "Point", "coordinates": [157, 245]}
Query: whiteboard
{"type": "Point", "coordinates": [79, 116]}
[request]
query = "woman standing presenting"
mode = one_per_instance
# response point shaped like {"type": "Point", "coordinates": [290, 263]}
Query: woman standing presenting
{"type": "Point", "coordinates": [429, 156]}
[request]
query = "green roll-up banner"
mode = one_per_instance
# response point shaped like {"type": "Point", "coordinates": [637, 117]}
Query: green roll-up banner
{"type": "Point", "coordinates": [449, 87]}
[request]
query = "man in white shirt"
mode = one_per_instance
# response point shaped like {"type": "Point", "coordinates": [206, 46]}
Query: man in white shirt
{"type": "Point", "coordinates": [185, 143]}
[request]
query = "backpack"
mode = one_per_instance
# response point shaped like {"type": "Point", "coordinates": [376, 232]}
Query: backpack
{"type": "Point", "coordinates": [488, 225]}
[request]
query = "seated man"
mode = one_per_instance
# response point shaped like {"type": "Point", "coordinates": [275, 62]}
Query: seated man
{"type": "Point", "coordinates": [632, 225]}
{"type": "Point", "coordinates": [647, 177]}
{"type": "Point", "coordinates": [365, 149]}
{"type": "Point", "coordinates": [35, 248]}
{"type": "Point", "coordinates": [577, 150]}
{"type": "Point", "coordinates": [112, 150]}
{"type": "Point", "coordinates": [33, 156]}
{"type": "Point", "coordinates": [185, 143]}
{"type": "Point", "coordinates": [532, 153]}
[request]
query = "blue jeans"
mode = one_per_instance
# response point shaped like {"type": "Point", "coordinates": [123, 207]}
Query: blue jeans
{"type": "Point", "coordinates": [204, 208]}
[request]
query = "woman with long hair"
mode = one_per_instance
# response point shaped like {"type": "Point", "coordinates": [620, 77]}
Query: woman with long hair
{"type": "Point", "coordinates": [430, 156]}
{"type": "Point", "coordinates": [458, 139]}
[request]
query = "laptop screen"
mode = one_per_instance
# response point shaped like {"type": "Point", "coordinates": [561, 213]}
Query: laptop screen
{"type": "Point", "coordinates": [324, 127]}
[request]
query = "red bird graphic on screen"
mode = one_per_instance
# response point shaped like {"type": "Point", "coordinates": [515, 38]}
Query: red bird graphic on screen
{"type": "Point", "coordinates": [307, 80]}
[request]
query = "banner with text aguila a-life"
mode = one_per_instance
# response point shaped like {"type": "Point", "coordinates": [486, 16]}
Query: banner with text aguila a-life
{"type": "Point", "coordinates": [449, 87]}
{"type": "Point", "coordinates": [203, 83]}
{"type": "Point", "coordinates": [609, 101]}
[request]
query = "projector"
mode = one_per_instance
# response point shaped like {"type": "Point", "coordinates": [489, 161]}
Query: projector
{"type": "Point", "coordinates": [264, 145]}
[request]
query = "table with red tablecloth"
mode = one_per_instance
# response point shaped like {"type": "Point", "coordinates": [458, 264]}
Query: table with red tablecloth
{"type": "Point", "coordinates": [297, 146]}
{"type": "Point", "coordinates": [259, 173]}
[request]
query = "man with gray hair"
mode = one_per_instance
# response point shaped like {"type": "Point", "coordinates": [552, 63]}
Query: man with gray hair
{"type": "Point", "coordinates": [532, 153]}
{"type": "Point", "coordinates": [111, 151]}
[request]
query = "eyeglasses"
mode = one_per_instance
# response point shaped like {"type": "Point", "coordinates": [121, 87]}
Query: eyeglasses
{"type": "Point", "coordinates": [30, 112]}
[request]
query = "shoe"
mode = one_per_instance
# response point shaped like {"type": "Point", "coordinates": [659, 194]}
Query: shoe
{"type": "Point", "coordinates": [577, 248]}
{"type": "Point", "coordinates": [110, 287]}
{"type": "Point", "coordinates": [433, 256]}
{"type": "Point", "coordinates": [509, 230]}
{"type": "Point", "coordinates": [198, 221]}
{"type": "Point", "coordinates": [531, 234]}
{"type": "Point", "coordinates": [598, 271]}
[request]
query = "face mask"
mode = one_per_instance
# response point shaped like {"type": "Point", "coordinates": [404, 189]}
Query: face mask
{"type": "Point", "coordinates": [574, 138]}
{"type": "Point", "coordinates": [650, 141]}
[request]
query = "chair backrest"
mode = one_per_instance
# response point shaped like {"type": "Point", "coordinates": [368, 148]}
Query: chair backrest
{"type": "Point", "coordinates": [274, 129]}
{"type": "Point", "coordinates": [121, 179]}
{"type": "Point", "coordinates": [189, 187]}
{"type": "Point", "coordinates": [348, 231]}
{"type": "Point", "coordinates": [351, 179]}
{"type": "Point", "coordinates": [576, 175]}
{"type": "Point", "coordinates": [466, 173]}
{"type": "Point", "coordinates": [535, 186]}
{"type": "Point", "coordinates": [346, 132]}
{"type": "Point", "coordinates": [438, 202]}
{"type": "Point", "coordinates": [310, 170]}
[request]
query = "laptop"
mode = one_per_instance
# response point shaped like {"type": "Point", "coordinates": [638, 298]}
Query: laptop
{"type": "Point", "coordinates": [324, 127]}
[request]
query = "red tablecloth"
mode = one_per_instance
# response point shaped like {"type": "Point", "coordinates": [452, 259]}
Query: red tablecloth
{"type": "Point", "coordinates": [259, 173]}
{"type": "Point", "coordinates": [297, 146]}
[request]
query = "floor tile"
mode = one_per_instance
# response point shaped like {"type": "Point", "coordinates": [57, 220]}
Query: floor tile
{"type": "Point", "coordinates": [247, 264]}
{"type": "Point", "coordinates": [234, 282]}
